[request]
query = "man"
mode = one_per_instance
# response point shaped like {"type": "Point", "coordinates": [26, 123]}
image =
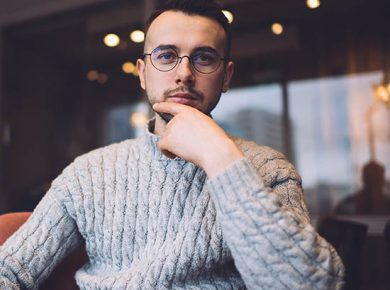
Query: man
{"type": "Point", "coordinates": [185, 206]}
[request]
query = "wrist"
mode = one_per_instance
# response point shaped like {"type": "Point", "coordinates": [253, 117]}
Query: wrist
{"type": "Point", "coordinates": [225, 155]}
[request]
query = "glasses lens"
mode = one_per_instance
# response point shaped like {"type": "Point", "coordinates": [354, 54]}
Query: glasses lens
{"type": "Point", "coordinates": [205, 61]}
{"type": "Point", "coordinates": [164, 59]}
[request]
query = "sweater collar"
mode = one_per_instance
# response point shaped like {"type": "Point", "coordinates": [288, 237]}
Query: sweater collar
{"type": "Point", "coordinates": [151, 140]}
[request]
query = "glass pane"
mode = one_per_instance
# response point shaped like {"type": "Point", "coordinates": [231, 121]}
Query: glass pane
{"type": "Point", "coordinates": [329, 120]}
{"type": "Point", "coordinates": [253, 113]}
{"type": "Point", "coordinates": [124, 122]}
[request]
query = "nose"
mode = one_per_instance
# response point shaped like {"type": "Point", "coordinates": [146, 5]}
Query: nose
{"type": "Point", "coordinates": [184, 71]}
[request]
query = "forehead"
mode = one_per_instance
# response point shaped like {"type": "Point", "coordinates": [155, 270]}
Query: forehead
{"type": "Point", "coordinates": [186, 32]}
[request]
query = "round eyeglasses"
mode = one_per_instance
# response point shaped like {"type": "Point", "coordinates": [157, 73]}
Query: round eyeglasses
{"type": "Point", "coordinates": [204, 61]}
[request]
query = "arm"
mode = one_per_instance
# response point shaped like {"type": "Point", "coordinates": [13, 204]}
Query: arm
{"type": "Point", "coordinates": [33, 251]}
{"type": "Point", "coordinates": [274, 246]}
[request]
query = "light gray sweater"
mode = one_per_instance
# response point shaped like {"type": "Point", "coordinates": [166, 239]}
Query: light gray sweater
{"type": "Point", "coordinates": [150, 222]}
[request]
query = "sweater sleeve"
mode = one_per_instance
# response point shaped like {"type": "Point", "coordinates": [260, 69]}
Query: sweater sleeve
{"type": "Point", "coordinates": [34, 250]}
{"type": "Point", "coordinates": [273, 246]}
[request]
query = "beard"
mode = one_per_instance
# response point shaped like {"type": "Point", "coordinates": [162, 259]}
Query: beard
{"type": "Point", "coordinates": [188, 90]}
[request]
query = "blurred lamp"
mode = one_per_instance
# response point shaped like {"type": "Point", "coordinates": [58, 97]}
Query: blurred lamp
{"type": "Point", "coordinates": [103, 78]}
{"type": "Point", "coordinates": [277, 28]}
{"type": "Point", "coordinates": [137, 36]}
{"type": "Point", "coordinates": [128, 67]}
{"type": "Point", "coordinates": [313, 4]}
{"type": "Point", "coordinates": [138, 119]}
{"type": "Point", "coordinates": [228, 15]}
{"type": "Point", "coordinates": [111, 40]}
{"type": "Point", "coordinates": [382, 93]}
{"type": "Point", "coordinates": [92, 75]}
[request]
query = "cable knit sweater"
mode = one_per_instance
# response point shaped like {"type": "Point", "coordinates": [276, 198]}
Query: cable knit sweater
{"type": "Point", "coordinates": [150, 222]}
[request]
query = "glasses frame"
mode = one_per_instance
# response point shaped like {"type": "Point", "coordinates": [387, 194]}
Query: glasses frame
{"type": "Point", "coordinates": [180, 58]}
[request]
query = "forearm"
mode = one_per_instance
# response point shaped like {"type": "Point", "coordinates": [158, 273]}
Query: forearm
{"type": "Point", "coordinates": [31, 253]}
{"type": "Point", "coordinates": [273, 248]}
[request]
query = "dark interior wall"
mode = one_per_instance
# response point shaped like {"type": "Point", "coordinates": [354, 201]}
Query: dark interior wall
{"type": "Point", "coordinates": [330, 44]}
{"type": "Point", "coordinates": [40, 103]}
{"type": "Point", "coordinates": [13, 12]}
{"type": "Point", "coordinates": [3, 198]}
{"type": "Point", "coordinates": [54, 113]}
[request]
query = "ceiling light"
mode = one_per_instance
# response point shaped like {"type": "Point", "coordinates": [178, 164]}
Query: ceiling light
{"type": "Point", "coordinates": [92, 75]}
{"type": "Point", "coordinates": [313, 4]}
{"type": "Point", "coordinates": [103, 78]}
{"type": "Point", "coordinates": [111, 40]}
{"type": "Point", "coordinates": [128, 67]}
{"type": "Point", "coordinates": [277, 28]}
{"type": "Point", "coordinates": [228, 15]}
{"type": "Point", "coordinates": [382, 93]}
{"type": "Point", "coordinates": [137, 36]}
{"type": "Point", "coordinates": [138, 119]}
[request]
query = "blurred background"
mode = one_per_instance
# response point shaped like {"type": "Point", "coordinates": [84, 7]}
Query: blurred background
{"type": "Point", "coordinates": [312, 80]}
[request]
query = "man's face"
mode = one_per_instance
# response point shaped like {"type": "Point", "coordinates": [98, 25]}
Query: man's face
{"type": "Point", "coordinates": [183, 84]}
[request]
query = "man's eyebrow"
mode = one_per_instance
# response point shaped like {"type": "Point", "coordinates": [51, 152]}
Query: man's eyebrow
{"type": "Point", "coordinates": [166, 46]}
{"type": "Point", "coordinates": [205, 48]}
{"type": "Point", "coordinates": [197, 49]}
{"type": "Point", "coordinates": [172, 46]}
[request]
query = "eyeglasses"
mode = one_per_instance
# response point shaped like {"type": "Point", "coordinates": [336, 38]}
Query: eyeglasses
{"type": "Point", "coordinates": [204, 61]}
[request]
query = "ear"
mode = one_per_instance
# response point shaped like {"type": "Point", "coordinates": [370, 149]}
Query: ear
{"type": "Point", "coordinates": [229, 69]}
{"type": "Point", "coordinates": [141, 72]}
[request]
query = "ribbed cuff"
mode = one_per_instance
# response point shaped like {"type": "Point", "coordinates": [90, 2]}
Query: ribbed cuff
{"type": "Point", "coordinates": [13, 265]}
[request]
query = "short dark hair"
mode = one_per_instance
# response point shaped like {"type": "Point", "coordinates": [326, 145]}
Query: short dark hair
{"type": "Point", "coordinates": [206, 8]}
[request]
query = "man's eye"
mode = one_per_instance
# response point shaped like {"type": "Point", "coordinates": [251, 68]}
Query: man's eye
{"type": "Point", "coordinates": [166, 57]}
{"type": "Point", "coordinates": [203, 58]}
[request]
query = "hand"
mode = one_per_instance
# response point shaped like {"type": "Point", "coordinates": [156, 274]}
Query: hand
{"type": "Point", "coordinates": [197, 138]}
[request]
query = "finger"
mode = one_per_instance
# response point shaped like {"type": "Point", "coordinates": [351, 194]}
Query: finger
{"type": "Point", "coordinates": [169, 107]}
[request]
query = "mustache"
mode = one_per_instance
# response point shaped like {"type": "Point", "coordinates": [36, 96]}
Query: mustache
{"type": "Point", "coordinates": [187, 90]}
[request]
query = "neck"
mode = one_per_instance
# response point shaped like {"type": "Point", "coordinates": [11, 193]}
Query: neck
{"type": "Point", "coordinates": [159, 126]}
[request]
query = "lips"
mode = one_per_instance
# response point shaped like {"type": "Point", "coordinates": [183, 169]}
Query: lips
{"type": "Point", "coordinates": [182, 98]}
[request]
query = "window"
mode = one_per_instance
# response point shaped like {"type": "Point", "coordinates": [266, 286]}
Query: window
{"type": "Point", "coordinates": [330, 136]}
{"type": "Point", "coordinates": [253, 113]}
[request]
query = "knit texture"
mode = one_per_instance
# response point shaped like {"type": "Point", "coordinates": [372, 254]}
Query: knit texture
{"type": "Point", "coordinates": [150, 222]}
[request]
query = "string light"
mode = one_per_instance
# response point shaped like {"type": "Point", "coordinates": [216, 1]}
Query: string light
{"type": "Point", "coordinates": [277, 28]}
{"type": "Point", "coordinates": [128, 67]}
{"type": "Point", "coordinates": [382, 93]}
{"type": "Point", "coordinates": [138, 119]}
{"type": "Point", "coordinates": [313, 4]}
{"type": "Point", "coordinates": [228, 15]}
{"type": "Point", "coordinates": [103, 78]}
{"type": "Point", "coordinates": [111, 40]}
{"type": "Point", "coordinates": [137, 36]}
{"type": "Point", "coordinates": [92, 75]}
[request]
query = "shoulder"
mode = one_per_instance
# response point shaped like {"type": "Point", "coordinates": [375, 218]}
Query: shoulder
{"type": "Point", "coordinates": [109, 149]}
{"type": "Point", "coordinates": [108, 153]}
{"type": "Point", "coordinates": [100, 159]}
{"type": "Point", "coordinates": [271, 164]}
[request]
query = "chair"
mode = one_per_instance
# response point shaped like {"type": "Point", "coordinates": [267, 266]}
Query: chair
{"type": "Point", "coordinates": [62, 278]}
{"type": "Point", "coordinates": [386, 235]}
{"type": "Point", "coordinates": [348, 239]}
